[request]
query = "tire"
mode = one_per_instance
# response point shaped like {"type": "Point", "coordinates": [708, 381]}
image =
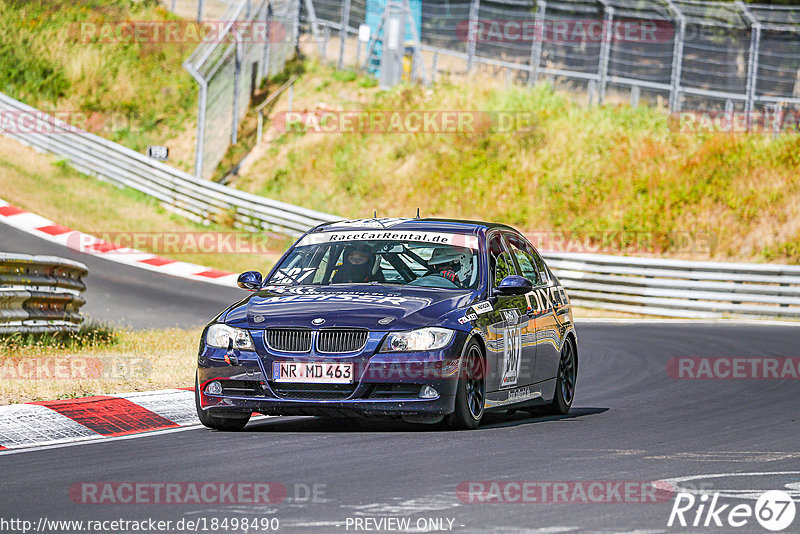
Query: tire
{"type": "Point", "coordinates": [216, 422]}
{"type": "Point", "coordinates": [565, 384]}
{"type": "Point", "coordinates": [471, 390]}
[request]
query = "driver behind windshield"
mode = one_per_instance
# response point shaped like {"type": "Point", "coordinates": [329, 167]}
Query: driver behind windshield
{"type": "Point", "coordinates": [451, 263]}
{"type": "Point", "coordinates": [359, 265]}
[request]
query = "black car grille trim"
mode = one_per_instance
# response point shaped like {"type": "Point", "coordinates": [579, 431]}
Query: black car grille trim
{"type": "Point", "coordinates": [395, 391]}
{"type": "Point", "coordinates": [341, 340]}
{"type": "Point", "coordinates": [295, 340]}
{"type": "Point", "coordinates": [242, 388]}
{"type": "Point", "coordinates": [313, 391]}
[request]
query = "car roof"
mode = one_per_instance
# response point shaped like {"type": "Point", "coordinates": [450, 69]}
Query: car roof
{"type": "Point", "coordinates": [427, 224]}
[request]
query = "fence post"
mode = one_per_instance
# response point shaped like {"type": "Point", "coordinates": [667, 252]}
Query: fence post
{"type": "Point", "coordinates": [635, 96]}
{"type": "Point", "coordinates": [536, 46]}
{"type": "Point", "coordinates": [472, 34]}
{"type": "Point", "coordinates": [200, 145]}
{"type": "Point", "coordinates": [605, 45]}
{"type": "Point", "coordinates": [199, 10]}
{"type": "Point", "coordinates": [752, 63]}
{"type": "Point", "coordinates": [677, 59]}
{"type": "Point", "coordinates": [312, 18]}
{"type": "Point", "coordinates": [237, 83]}
{"type": "Point", "coordinates": [343, 32]}
{"type": "Point", "coordinates": [268, 44]}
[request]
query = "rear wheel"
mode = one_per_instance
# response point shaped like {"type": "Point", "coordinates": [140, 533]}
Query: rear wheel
{"type": "Point", "coordinates": [565, 384]}
{"type": "Point", "coordinates": [471, 390]}
{"type": "Point", "coordinates": [217, 422]}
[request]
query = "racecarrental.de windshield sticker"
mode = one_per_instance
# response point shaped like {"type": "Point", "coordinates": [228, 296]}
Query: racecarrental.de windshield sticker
{"type": "Point", "coordinates": [439, 238]}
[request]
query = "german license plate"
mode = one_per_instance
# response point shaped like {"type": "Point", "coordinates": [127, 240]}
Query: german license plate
{"type": "Point", "coordinates": [313, 372]}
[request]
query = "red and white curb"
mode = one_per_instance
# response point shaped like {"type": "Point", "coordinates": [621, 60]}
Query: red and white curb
{"type": "Point", "coordinates": [56, 422]}
{"type": "Point", "coordinates": [80, 242]}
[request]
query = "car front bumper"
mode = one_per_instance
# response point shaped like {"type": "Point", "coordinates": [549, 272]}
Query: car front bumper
{"type": "Point", "coordinates": [385, 383]}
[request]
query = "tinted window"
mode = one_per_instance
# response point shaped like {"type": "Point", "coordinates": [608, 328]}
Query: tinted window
{"type": "Point", "coordinates": [500, 262]}
{"type": "Point", "coordinates": [525, 256]}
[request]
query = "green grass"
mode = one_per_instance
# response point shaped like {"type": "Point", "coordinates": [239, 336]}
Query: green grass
{"type": "Point", "coordinates": [88, 335]}
{"type": "Point", "coordinates": [576, 170]}
{"type": "Point", "coordinates": [135, 93]}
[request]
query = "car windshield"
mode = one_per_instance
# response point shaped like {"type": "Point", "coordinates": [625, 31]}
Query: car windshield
{"type": "Point", "coordinates": [428, 259]}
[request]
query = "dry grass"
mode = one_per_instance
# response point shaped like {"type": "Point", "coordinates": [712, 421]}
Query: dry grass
{"type": "Point", "coordinates": [37, 183]}
{"type": "Point", "coordinates": [139, 361]}
{"type": "Point", "coordinates": [578, 170]}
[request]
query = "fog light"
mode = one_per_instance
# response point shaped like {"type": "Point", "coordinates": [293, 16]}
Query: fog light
{"type": "Point", "coordinates": [214, 388]}
{"type": "Point", "coordinates": [428, 392]}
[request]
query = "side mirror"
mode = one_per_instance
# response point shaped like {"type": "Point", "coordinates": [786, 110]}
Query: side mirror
{"type": "Point", "coordinates": [250, 280]}
{"type": "Point", "coordinates": [514, 285]}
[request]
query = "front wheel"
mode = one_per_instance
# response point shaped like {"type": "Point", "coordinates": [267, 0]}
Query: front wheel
{"type": "Point", "coordinates": [471, 391]}
{"type": "Point", "coordinates": [565, 384]}
{"type": "Point", "coordinates": [217, 422]}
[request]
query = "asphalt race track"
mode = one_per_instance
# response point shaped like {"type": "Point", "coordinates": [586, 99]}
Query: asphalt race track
{"type": "Point", "coordinates": [130, 296]}
{"type": "Point", "coordinates": [630, 422]}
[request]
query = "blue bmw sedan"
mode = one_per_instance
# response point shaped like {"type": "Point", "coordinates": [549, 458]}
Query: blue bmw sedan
{"type": "Point", "coordinates": [426, 319]}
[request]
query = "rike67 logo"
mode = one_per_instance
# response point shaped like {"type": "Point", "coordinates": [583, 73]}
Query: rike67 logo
{"type": "Point", "coordinates": [774, 510]}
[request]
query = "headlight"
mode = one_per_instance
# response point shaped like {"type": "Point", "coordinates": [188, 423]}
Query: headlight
{"type": "Point", "coordinates": [219, 335]}
{"type": "Point", "coordinates": [417, 340]}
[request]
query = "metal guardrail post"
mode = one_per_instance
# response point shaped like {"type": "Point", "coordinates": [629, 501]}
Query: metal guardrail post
{"type": "Point", "coordinates": [40, 293]}
{"type": "Point", "coordinates": [343, 31]}
{"type": "Point", "coordinates": [199, 10]}
{"type": "Point", "coordinates": [472, 33]}
{"type": "Point", "coordinates": [538, 39]}
{"type": "Point", "coordinates": [677, 58]}
{"type": "Point", "coordinates": [605, 46]}
{"type": "Point", "coordinates": [752, 63]}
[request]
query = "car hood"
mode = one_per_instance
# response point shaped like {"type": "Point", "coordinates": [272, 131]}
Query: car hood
{"type": "Point", "coordinates": [372, 306]}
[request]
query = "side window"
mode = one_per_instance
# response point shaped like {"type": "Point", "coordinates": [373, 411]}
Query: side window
{"type": "Point", "coordinates": [525, 259]}
{"type": "Point", "coordinates": [500, 262]}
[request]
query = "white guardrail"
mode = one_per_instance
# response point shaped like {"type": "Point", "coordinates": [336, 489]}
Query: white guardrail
{"type": "Point", "coordinates": [197, 199]}
{"type": "Point", "coordinates": [641, 285]}
{"type": "Point", "coordinates": [676, 288]}
{"type": "Point", "coordinates": [40, 293]}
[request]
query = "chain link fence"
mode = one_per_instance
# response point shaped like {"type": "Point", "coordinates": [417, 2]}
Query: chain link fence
{"type": "Point", "coordinates": [686, 54]}
{"type": "Point", "coordinates": [252, 39]}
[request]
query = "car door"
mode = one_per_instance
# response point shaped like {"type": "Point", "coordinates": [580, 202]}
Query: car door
{"type": "Point", "coordinates": [506, 323]}
{"type": "Point", "coordinates": [547, 301]}
{"type": "Point", "coordinates": [523, 256]}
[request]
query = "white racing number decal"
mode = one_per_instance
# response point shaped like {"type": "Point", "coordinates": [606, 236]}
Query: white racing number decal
{"type": "Point", "coordinates": [297, 275]}
{"type": "Point", "coordinates": [482, 307]}
{"type": "Point", "coordinates": [512, 348]}
{"type": "Point", "coordinates": [441, 238]}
